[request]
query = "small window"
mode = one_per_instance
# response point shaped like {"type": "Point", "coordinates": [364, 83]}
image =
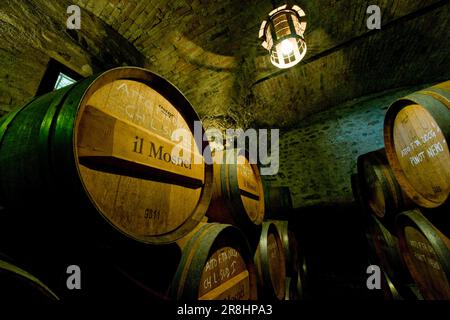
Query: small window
{"type": "Point", "coordinates": [63, 81]}
{"type": "Point", "coordinates": [57, 76]}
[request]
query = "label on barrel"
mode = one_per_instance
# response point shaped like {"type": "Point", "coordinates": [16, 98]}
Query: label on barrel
{"type": "Point", "coordinates": [225, 276]}
{"type": "Point", "coordinates": [426, 270]}
{"type": "Point", "coordinates": [126, 162]}
{"type": "Point", "coordinates": [422, 152]}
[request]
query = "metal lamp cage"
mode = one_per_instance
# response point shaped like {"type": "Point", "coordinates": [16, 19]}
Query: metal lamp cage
{"type": "Point", "coordinates": [282, 35]}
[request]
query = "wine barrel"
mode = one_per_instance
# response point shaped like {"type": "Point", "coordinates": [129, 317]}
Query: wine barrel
{"type": "Point", "coordinates": [416, 134]}
{"type": "Point", "coordinates": [386, 249]}
{"type": "Point", "coordinates": [277, 201]}
{"type": "Point", "coordinates": [379, 187]}
{"type": "Point", "coordinates": [103, 149]}
{"type": "Point", "coordinates": [270, 263]}
{"type": "Point", "coordinates": [426, 252]}
{"type": "Point", "coordinates": [18, 285]}
{"type": "Point", "coordinates": [290, 246]}
{"type": "Point", "coordinates": [395, 291]}
{"type": "Point", "coordinates": [216, 265]}
{"type": "Point", "coordinates": [238, 195]}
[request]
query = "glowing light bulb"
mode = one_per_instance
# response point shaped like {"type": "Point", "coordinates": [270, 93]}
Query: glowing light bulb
{"type": "Point", "coordinates": [286, 47]}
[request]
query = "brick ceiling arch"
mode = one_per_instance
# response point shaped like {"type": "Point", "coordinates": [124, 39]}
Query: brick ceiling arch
{"type": "Point", "coordinates": [210, 50]}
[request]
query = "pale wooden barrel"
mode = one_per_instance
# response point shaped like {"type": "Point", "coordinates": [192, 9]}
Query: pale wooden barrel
{"type": "Point", "coordinates": [416, 135]}
{"type": "Point", "coordinates": [238, 194]}
{"type": "Point", "coordinates": [105, 144]}
{"type": "Point", "coordinates": [270, 263]}
{"type": "Point", "coordinates": [379, 187]}
{"type": "Point", "coordinates": [292, 256]}
{"type": "Point", "coordinates": [216, 265]}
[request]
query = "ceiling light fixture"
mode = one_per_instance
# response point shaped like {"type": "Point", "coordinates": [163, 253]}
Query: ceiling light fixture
{"type": "Point", "coordinates": [283, 36]}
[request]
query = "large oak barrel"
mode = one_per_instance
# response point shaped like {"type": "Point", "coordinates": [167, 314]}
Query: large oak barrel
{"type": "Point", "coordinates": [17, 285]}
{"type": "Point", "coordinates": [216, 265]}
{"type": "Point", "coordinates": [426, 252]}
{"type": "Point", "coordinates": [379, 187]}
{"type": "Point", "coordinates": [238, 195]}
{"type": "Point", "coordinates": [416, 135]}
{"type": "Point", "coordinates": [387, 253]}
{"type": "Point", "coordinates": [270, 263]}
{"type": "Point", "coordinates": [278, 202]}
{"type": "Point", "coordinates": [103, 150]}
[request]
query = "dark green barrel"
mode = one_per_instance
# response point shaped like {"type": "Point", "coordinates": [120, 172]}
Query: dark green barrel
{"type": "Point", "coordinates": [52, 221]}
{"type": "Point", "coordinates": [41, 170]}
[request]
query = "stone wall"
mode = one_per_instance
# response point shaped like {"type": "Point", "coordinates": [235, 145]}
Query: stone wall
{"type": "Point", "coordinates": [318, 158]}
{"type": "Point", "coordinates": [33, 32]}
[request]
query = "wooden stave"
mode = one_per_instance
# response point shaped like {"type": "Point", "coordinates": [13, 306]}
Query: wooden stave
{"type": "Point", "coordinates": [436, 101]}
{"type": "Point", "coordinates": [394, 198]}
{"type": "Point", "coordinates": [58, 123]}
{"type": "Point", "coordinates": [266, 289]}
{"type": "Point", "coordinates": [186, 281]}
{"type": "Point", "coordinates": [438, 242]}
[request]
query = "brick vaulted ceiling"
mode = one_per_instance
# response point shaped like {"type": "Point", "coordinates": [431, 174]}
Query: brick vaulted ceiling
{"type": "Point", "coordinates": [210, 50]}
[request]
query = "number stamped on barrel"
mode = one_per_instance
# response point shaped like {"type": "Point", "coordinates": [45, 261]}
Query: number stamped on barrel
{"type": "Point", "coordinates": [152, 214]}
